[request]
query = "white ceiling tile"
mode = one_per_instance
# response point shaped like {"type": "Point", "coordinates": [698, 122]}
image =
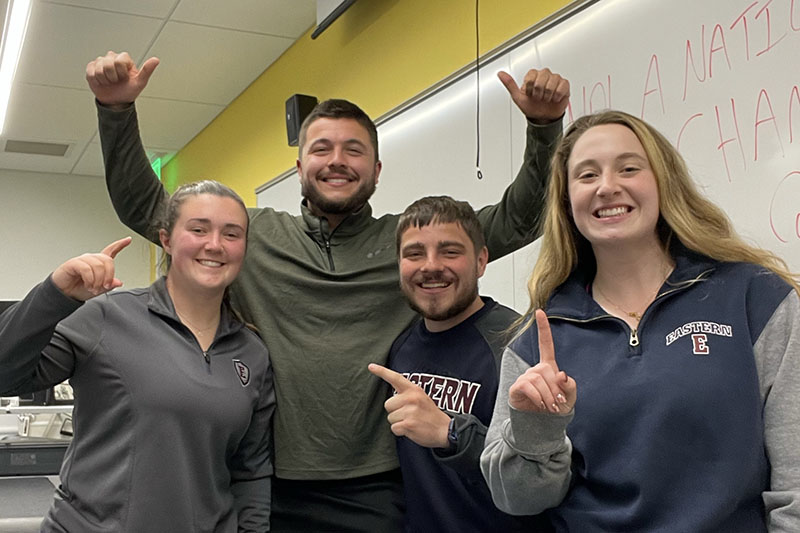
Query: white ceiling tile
{"type": "Point", "coordinates": [61, 40]}
{"type": "Point", "coordinates": [210, 65]}
{"type": "Point", "coordinates": [148, 8]}
{"type": "Point", "coordinates": [40, 163]}
{"type": "Point", "coordinates": [167, 125]}
{"type": "Point", "coordinates": [50, 114]}
{"type": "Point", "coordinates": [288, 18]}
{"type": "Point", "coordinates": [90, 162]}
{"type": "Point", "coordinates": [211, 51]}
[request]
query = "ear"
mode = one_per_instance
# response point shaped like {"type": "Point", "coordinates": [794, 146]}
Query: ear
{"type": "Point", "coordinates": [299, 167]}
{"type": "Point", "coordinates": [378, 167]}
{"type": "Point", "coordinates": [163, 236]}
{"type": "Point", "coordinates": [483, 260]}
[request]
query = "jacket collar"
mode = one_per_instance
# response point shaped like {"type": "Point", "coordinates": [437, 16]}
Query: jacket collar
{"type": "Point", "coordinates": [353, 224]}
{"type": "Point", "coordinates": [159, 302]}
{"type": "Point", "coordinates": [572, 298]}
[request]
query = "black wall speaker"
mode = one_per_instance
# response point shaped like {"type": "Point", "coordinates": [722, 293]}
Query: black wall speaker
{"type": "Point", "coordinates": [298, 107]}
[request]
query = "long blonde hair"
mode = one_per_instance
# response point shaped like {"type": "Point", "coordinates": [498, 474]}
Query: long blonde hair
{"type": "Point", "coordinates": [685, 214]}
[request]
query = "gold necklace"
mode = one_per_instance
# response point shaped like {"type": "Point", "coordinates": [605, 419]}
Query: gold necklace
{"type": "Point", "coordinates": [633, 314]}
{"type": "Point", "coordinates": [197, 331]}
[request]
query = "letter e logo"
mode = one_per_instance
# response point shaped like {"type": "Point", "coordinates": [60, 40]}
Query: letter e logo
{"type": "Point", "coordinates": [700, 344]}
{"type": "Point", "coordinates": [242, 372]}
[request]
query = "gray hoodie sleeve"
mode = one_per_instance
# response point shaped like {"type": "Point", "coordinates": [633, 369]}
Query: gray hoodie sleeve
{"type": "Point", "coordinates": [527, 458]}
{"type": "Point", "coordinates": [777, 353]}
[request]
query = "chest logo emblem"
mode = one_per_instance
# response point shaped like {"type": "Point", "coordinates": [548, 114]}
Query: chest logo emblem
{"type": "Point", "coordinates": [699, 332]}
{"type": "Point", "coordinates": [700, 344]}
{"type": "Point", "coordinates": [242, 372]}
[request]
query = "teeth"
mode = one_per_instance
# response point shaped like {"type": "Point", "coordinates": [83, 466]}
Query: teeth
{"type": "Point", "coordinates": [434, 285]}
{"type": "Point", "coordinates": [337, 180]}
{"type": "Point", "coordinates": [612, 212]}
{"type": "Point", "coordinates": [206, 262]}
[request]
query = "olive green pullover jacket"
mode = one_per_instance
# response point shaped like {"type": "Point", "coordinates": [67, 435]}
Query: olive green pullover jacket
{"type": "Point", "coordinates": [327, 303]}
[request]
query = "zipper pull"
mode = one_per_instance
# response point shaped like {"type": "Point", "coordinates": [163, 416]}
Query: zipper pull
{"type": "Point", "coordinates": [208, 359]}
{"type": "Point", "coordinates": [634, 338]}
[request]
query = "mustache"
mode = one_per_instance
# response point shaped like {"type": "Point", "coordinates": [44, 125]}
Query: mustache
{"type": "Point", "coordinates": [434, 278]}
{"type": "Point", "coordinates": [337, 171]}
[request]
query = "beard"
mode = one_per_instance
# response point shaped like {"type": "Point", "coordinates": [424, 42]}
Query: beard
{"type": "Point", "coordinates": [346, 206]}
{"type": "Point", "coordinates": [434, 311]}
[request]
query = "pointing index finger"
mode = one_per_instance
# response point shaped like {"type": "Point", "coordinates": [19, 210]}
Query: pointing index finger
{"type": "Point", "coordinates": [547, 352]}
{"type": "Point", "coordinates": [115, 247]}
{"type": "Point", "coordinates": [395, 379]}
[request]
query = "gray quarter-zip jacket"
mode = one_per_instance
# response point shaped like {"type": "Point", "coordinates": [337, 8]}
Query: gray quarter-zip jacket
{"type": "Point", "coordinates": [167, 438]}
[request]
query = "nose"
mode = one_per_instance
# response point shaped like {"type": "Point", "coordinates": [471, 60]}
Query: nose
{"type": "Point", "coordinates": [607, 184]}
{"type": "Point", "coordinates": [214, 241]}
{"type": "Point", "coordinates": [432, 263]}
{"type": "Point", "coordinates": [337, 158]}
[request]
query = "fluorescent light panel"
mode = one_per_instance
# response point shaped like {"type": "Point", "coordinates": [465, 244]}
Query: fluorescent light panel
{"type": "Point", "coordinates": [13, 37]}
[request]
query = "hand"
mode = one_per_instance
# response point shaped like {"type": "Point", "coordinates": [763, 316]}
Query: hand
{"type": "Point", "coordinates": [115, 80]}
{"type": "Point", "coordinates": [543, 96]}
{"type": "Point", "coordinates": [90, 275]}
{"type": "Point", "coordinates": [412, 413]}
{"type": "Point", "coordinates": [543, 388]}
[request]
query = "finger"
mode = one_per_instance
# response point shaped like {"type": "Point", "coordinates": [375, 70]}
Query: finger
{"type": "Point", "coordinates": [534, 82]}
{"type": "Point", "coordinates": [83, 267]}
{"type": "Point", "coordinates": [525, 393]}
{"type": "Point", "coordinates": [94, 72]}
{"type": "Point", "coordinates": [562, 90]}
{"type": "Point", "coordinates": [549, 390]}
{"type": "Point", "coordinates": [547, 352]}
{"type": "Point", "coordinates": [147, 69]}
{"type": "Point", "coordinates": [509, 83]}
{"type": "Point", "coordinates": [551, 88]}
{"type": "Point", "coordinates": [115, 247]}
{"type": "Point", "coordinates": [122, 69]}
{"type": "Point", "coordinates": [396, 380]}
{"type": "Point", "coordinates": [90, 68]}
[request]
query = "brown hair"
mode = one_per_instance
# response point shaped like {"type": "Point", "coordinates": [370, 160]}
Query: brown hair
{"type": "Point", "coordinates": [441, 210]}
{"type": "Point", "coordinates": [685, 214]}
{"type": "Point", "coordinates": [336, 109]}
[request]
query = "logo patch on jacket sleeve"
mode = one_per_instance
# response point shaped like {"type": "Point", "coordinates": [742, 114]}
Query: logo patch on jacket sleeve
{"type": "Point", "coordinates": [242, 372]}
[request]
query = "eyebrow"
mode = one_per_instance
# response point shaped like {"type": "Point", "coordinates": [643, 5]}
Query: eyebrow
{"type": "Point", "coordinates": [439, 245]}
{"type": "Point", "coordinates": [325, 140]}
{"type": "Point", "coordinates": [208, 221]}
{"type": "Point", "coordinates": [621, 157]}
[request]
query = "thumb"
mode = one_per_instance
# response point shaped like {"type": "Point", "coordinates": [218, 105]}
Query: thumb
{"type": "Point", "coordinates": [147, 69]}
{"type": "Point", "coordinates": [510, 84]}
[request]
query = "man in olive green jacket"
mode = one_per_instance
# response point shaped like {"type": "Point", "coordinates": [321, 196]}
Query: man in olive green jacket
{"type": "Point", "coordinates": [323, 290]}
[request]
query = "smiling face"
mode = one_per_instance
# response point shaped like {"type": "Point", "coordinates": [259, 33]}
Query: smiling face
{"type": "Point", "coordinates": [612, 190]}
{"type": "Point", "coordinates": [207, 243]}
{"type": "Point", "coordinates": [337, 167]}
{"type": "Point", "coordinates": [439, 271]}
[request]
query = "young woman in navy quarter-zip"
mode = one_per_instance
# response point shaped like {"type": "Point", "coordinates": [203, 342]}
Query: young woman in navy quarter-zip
{"type": "Point", "coordinates": [173, 395]}
{"type": "Point", "coordinates": [660, 390]}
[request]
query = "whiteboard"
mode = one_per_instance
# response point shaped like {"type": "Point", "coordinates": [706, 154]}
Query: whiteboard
{"type": "Point", "coordinates": [719, 78]}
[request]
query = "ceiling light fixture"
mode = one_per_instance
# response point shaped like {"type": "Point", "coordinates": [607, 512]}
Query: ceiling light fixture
{"type": "Point", "coordinates": [13, 36]}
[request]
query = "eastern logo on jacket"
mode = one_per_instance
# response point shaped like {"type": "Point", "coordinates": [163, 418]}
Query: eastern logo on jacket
{"type": "Point", "coordinates": [699, 331]}
{"type": "Point", "coordinates": [242, 372]}
{"type": "Point", "coordinates": [449, 394]}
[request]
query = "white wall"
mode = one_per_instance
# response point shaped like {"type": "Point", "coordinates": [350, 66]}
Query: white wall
{"type": "Point", "coordinates": [732, 107]}
{"type": "Point", "coordinates": [47, 218]}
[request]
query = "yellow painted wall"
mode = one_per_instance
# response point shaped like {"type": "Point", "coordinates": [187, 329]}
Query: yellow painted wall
{"type": "Point", "coordinates": [378, 54]}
